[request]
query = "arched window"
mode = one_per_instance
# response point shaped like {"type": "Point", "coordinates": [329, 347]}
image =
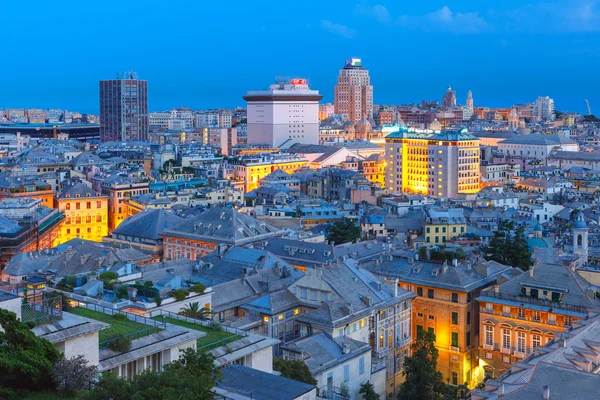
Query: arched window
{"type": "Point", "coordinates": [579, 240]}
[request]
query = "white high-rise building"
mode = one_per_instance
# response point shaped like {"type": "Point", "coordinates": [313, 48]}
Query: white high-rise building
{"type": "Point", "coordinates": [353, 95]}
{"type": "Point", "coordinates": [285, 114]}
{"type": "Point", "coordinates": [544, 108]}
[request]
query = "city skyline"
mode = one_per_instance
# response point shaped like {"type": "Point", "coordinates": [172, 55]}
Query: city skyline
{"type": "Point", "coordinates": [419, 50]}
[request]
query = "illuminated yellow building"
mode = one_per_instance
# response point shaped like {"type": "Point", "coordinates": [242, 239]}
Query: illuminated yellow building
{"type": "Point", "coordinates": [440, 164]}
{"type": "Point", "coordinates": [86, 213]}
{"type": "Point", "coordinates": [251, 170]}
{"type": "Point", "coordinates": [445, 306]}
{"type": "Point", "coordinates": [443, 225]}
{"type": "Point", "coordinates": [373, 168]}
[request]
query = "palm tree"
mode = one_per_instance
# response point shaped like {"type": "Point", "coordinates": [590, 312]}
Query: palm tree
{"type": "Point", "coordinates": [193, 310]}
{"type": "Point", "coordinates": [367, 390]}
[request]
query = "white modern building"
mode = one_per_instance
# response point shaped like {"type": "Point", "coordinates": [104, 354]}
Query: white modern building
{"type": "Point", "coordinates": [544, 108]}
{"type": "Point", "coordinates": [285, 114]}
{"type": "Point", "coordinates": [536, 146]}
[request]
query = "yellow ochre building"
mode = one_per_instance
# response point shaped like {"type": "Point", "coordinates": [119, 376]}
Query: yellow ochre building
{"type": "Point", "coordinates": [86, 213]}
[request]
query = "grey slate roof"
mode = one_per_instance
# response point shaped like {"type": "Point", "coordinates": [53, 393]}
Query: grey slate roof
{"type": "Point", "coordinates": [70, 326]}
{"type": "Point", "coordinates": [360, 293]}
{"type": "Point", "coordinates": [149, 224]}
{"type": "Point", "coordinates": [324, 352]}
{"type": "Point", "coordinates": [235, 263]}
{"type": "Point", "coordinates": [274, 302]}
{"type": "Point", "coordinates": [77, 190]}
{"type": "Point", "coordinates": [224, 225]}
{"type": "Point", "coordinates": [297, 252]}
{"type": "Point", "coordinates": [553, 276]}
{"type": "Point", "coordinates": [77, 256]}
{"type": "Point", "coordinates": [87, 159]}
{"type": "Point", "coordinates": [459, 278]}
{"type": "Point", "coordinates": [261, 385]}
{"type": "Point", "coordinates": [539, 139]}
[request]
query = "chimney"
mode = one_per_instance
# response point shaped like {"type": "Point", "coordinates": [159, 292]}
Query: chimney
{"type": "Point", "coordinates": [396, 287]}
{"type": "Point", "coordinates": [546, 393]}
{"type": "Point", "coordinates": [496, 289]}
{"type": "Point", "coordinates": [501, 389]}
{"type": "Point", "coordinates": [221, 250]}
{"type": "Point", "coordinates": [454, 262]}
{"type": "Point", "coordinates": [346, 348]}
{"type": "Point", "coordinates": [531, 272]}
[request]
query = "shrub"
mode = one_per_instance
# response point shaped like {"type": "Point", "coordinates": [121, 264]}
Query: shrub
{"type": "Point", "coordinates": [179, 294]}
{"type": "Point", "coordinates": [157, 300]}
{"type": "Point", "coordinates": [120, 317]}
{"type": "Point", "coordinates": [149, 284]}
{"type": "Point", "coordinates": [66, 305]}
{"type": "Point", "coordinates": [119, 344]}
{"type": "Point", "coordinates": [198, 288]}
{"type": "Point", "coordinates": [109, 276]}
{"type": "Point", "coordinates": [122, 293]}
{"type": "Point", "coordinates": [216, 326]}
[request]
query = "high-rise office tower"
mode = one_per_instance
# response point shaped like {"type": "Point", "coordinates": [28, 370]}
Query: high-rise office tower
{"type": "Point", "coordinates": [470, 100]}
{"type": "Point", "coordinates": [124, 108]}
{"type": "Point", "coordinates": [353, 95]}
{"type": "Point", "coordinates": [449, 99]}
{"type": "Point", "coordinates": [285, 114]}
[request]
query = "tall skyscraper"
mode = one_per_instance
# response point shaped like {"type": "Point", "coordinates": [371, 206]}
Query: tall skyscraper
{"type": "Point", "coordinates": [449, 99]}
{"type": "Point", "coordinates": [353, 95]}
{"type": "Point", "coordinates": [285, 114]}
{"type": "Point", "coordinates": [470, 100]}
{"type": "Point", "coordinates": [124, 108]}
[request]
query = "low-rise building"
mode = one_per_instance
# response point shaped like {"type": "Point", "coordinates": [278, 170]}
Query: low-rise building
{"type": "Point", "coordinates": [199, 235]}
{"type": "Point", "coordinates": [86, 213]}
{"type": "Point", "coordinates": [445, 306]}
{"type": "Point", "coordinates": [334, 362]}
{"type": "Point", "coordinates": [354, 303]}
{"type": "Point", "coordinates": [143, 231]}
{"type": "Point", "coordinates": [444, 224]}
{"type": "Point", "coordinates": [528, 311]}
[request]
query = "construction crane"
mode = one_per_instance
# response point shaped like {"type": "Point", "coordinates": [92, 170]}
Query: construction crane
{"type": "Point", "coordinates": [588, 105]}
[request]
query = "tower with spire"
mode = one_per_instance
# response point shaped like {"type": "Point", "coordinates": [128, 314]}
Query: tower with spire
{"type": "Point", "coordinates": [580, 239]}
{"type": "Point", "coordinates": [470, 100]}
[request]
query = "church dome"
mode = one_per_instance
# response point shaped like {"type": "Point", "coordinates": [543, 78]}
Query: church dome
{"type": "Point", "coordinates": [363, 126]}
{"type": "Point", "coordinates": [580, 221]}
{"type": "Point", "coordinates": [435, 125]}
{"type": "Point", "coordinates": [537, 228]}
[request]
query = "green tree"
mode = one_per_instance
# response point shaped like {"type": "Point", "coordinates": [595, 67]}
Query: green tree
{"type": "Point", "coordinates": [367, 390]}
{"type": "Point", "coordinates": [422, 379]}
{"type": "Point", "coordinates": [193, 310]}
{"type": "Point", "coordinates": [344, 231]}
{"type": "Point", "coordinates": [73, 374]}
{"type": "Point", "coordinates": [294, 369]}
{"type": "Point", "coordinates": [26, 361]}
{"type": "Point", "coordinates": [508, 248]}
{"type": "Point", "coordinates": [423, 253]}
{"type": "Point", "coordinates": [344, 391]}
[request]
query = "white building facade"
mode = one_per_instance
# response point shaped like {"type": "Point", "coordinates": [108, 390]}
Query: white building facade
{"type": "Point", "coordinates": [285, 114]}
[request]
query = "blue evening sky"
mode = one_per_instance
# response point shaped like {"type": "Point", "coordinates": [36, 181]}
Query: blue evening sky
{"type": "Point", "coordinates": [209, 53]}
